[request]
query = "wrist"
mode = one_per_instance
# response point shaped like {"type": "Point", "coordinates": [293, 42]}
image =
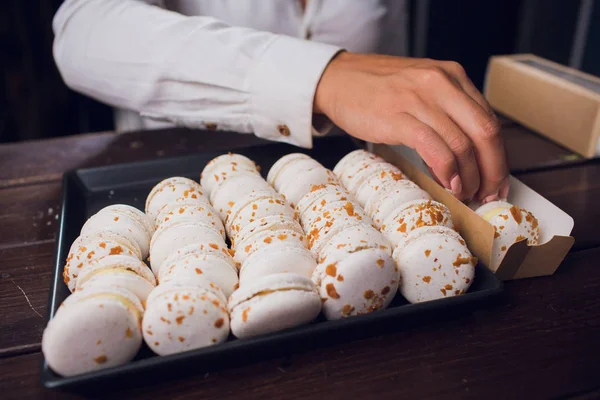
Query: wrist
{"type": "Point", "coordinates": [326, 88]}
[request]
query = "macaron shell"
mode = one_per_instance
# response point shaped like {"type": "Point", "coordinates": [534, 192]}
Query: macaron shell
{"type": "Point", "coordinates": [267, 239]}
{"type": "Point", "coordinates": [274, 312]}
{"type": "Point", "coordinates": [482, 210]}
{"type": "Point", "coordinates": [434, 263]}
{"type": "Point", "coordinates": [388, 198]}
{"type": "Point", "coordinates": [171, 190]}
{"type": "Point", "coordinates": [353, 239]}
{"type": "Point", "coordinates": [184, 320]}
{"type": "Point", "coordinates": [228, 160]}
{"type": "Point", "coordinates": [211, 267]}
{"type": "Point", "coordinates": [219, 251]}
{"type": "Point", "coordinates": [511, 226]}
{"type": "Point", "coordinates": [332, 221]}
{"type": "Point", "coordinates": [121, 261]}
{"type": "Point", "coordinates": [313, 198]}
{"type": "Point", "coordinates": [354, 175]}
{"type": "Point", "coordinates": [86, 249]}
{"type": "Point", "coordinates": [224, 170]}
{"type": "Point", "coordinates": [357, 283]}
{"type": "Point", "coordinates": [134, 213]}
{"type": "Point", "coordinates": [266, 224]}
{"type": "Point", "coordinates": [190, 212]}
{"type": "Point", "coordinates": [295, 189]}
{"type": "Point", "coordinates": [119, 278]}
{"type": "Point", "coordinates": [90, 335]}
{"type": "Point", "coordinates": [413, 215]}
{"type": "Point", "coordinates": [256, 208]}
{"type": "Point", "coordinates": [293, 169]}
{"type": "Point", "coordinates": [327, 200]}
{"type": "Point", "coordinates": [224, 196]}
{"type": "Point", "coordinates": [276, 259]}
{"type": "Point", "coordinates": [280, 165]}
{"type": "Point", "coordinates": [352, 158]}
{"type": "Point", "coordinates": [108, 221]}
{"type": "Point", "coordinates": [176, 236]}
{"type": "Point", "coordinates": [376, 178]}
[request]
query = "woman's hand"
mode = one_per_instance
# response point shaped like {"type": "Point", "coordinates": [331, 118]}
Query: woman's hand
{"type": "Point", "coordinates": [430, 106]}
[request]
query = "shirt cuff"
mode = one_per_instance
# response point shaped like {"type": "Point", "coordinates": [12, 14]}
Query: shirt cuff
{"type": "Point", "coordinates": [283, 82]}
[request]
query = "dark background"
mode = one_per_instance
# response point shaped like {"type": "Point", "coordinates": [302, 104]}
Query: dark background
{"type": "Point", "coordinates": [34, 102]}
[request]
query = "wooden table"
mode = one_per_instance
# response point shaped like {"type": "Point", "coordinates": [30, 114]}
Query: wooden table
{"type": "Point", "coordinates": [540, 340]}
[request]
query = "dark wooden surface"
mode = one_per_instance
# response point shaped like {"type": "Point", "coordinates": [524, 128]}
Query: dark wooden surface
{"type": "Point", "coordinates": [539, 340]}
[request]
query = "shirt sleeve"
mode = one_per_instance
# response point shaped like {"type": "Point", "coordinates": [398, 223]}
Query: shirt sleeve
{"type": "Point", "coordinates": [196, 72]}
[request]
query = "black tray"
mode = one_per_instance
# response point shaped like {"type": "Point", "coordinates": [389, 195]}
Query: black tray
{"type": "Point", "coordinates": [85, 191]}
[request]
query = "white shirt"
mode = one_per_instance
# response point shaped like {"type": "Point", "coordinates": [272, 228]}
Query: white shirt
{"type": "Point", "coordinates": [242, 66]}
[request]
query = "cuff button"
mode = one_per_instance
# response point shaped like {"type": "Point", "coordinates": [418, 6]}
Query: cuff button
{"type": "Point", "coordinates": [283, 130]}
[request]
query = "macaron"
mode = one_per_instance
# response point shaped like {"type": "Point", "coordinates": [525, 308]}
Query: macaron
{"type": "Point", "coordinates": [186, 211]}
{"type": "Point", "coordinates": [273, 303]}
{"type": "Point", "coordinates": [224, 166]}
{"type": "Point", "coordinates": [118, 271]}
{"type": "Point", "coordinates": [224, 196]}
{"type": "Point", "coordinates": [93, 329]}
{"type": "Point", "coordinates": [303, 181]}
{"type": "Point", "coordinates": [172, 190]}
{"type": "Point", "coordinates": [180, 318]}
{"type": "Point", "coordinates": [390, 196]}
{"type": "Point", "coordinates": [281, 164]}
{"type": "Point", "coordinates": [189, 281]}
{"type": "Point", "coordinates": [320, 195]}
{"type": "Point", "coordinates": [267, 239]}
{"type": "Point", "coordinates": [352, 239]}
{"type": "Point", "coordinates": [353, 175]}
{"type": "Point", "coordinates": [275, 259]}
{"type": "Point", "coordinates": [88, 248]}
{"type": "Point", "coordinates": [374, 178]}
{"type": "Point", "coordinates": [254, 206]}
{"type": "Point", "coordinates": [434, 263]}
{"type": "Point", "coordinates": [351, 159]}
{"type": "Point", "coordinates": [271, 223]}
{"type": "Point", "coordinates": [356, 283]}
{"type": "Point", "coordinates": [214, 264]}
{"type": "Point", "coordinates": [173, 236]}
{"type": "Point", "coordinates": [511, 224]}
{"type": "Point", "coordinates": [412, 215]}
{"type": "Point", "coordinates": [334, 218]}
{"type": "Point", "coordinates": [124, 220]}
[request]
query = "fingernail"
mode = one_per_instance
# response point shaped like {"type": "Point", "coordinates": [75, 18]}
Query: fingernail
{"type": "Point", "coordinates": [456, 185]}
{"type": "Point", "coordinates": [491, 197]}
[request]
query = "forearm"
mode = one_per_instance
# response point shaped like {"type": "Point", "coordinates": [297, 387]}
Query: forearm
{"type": "Point", "coordinates": [189, 70]}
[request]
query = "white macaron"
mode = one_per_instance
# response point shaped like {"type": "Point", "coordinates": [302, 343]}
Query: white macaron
{"type": "Point", "coordinates": [374, 178]}
{"type": "Point", "coordinates": [412, 215]}
{"type": "Point", "coordinates": [390, 196]}
{"type": "Point", "coordinates": [351, 159]}
{"type": "Point", "coordinates": [173, 236]}
{"type": "Point", "coordinates": [273, 303]}
{"type": "Point", "coordinates": [266, 239]}
{"type": "Point", "coordinates": [118, 271]}
{"type": "Point", "coordinates": [434, 263]}
{"type": "Point", "coordinates": [303, 181]}
{"type": "Point", "coordinates": [95, 329]}
{"type": "Point", "coordinates": [180, 318]}
{"type": "Point", "coordinates": [224, 196]}
{"type": "Point", "coordinates": [171, 190]}
{"type": "Point", "coordinates": [186, 211]}
{"type": "Point", "coordinates": [124, 220]}
{"type": "Point", "coordinates": [282, 164]}
{"type": "Point", "coordinates": [278, 258]}
{"type": "Point", "coordinates": [213, 264]}
{"type": "Point", "coordinates": [320, 195]}
{"type": "Point", "coordinates": [356, 283]}
{"type": "Point", "coordinates": [266, 224]}
{"type": "Point", "coordinates": [352, 239]}
{"type": "Point", "coordinates": [88, 248]}
{"type": "Point", "coordinates": [254, 206]}
{"type": "Point", "coordinates": [223, 167]}
{"type": "Point", "coordinates": [354, 175]}
{"type": "Point", "coordinates": [511, 224]}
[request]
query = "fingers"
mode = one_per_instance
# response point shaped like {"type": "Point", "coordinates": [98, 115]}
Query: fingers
{"type": "Point", "coordinates": [430, 146]}
{"type": "Point", "coordinates": [459, 75]}
{"type": "Point", "coordinates": [484, 132]}
{"type": "Point", "coordinates": [460, 145]}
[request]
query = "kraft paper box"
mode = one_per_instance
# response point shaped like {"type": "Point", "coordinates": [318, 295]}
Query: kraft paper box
{"type": "Point", "coordinates": [558, 102]}
{"type": "Point", "coordinates": [521, 260]}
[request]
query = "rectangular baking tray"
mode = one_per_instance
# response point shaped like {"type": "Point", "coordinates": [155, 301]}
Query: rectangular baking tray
{"type": "Point", "coordinates": [85, 191]}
